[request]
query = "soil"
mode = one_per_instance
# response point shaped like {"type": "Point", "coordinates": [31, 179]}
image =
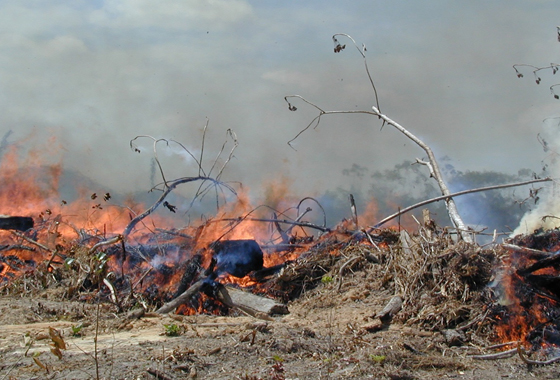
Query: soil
{"type": "Point", "coordinates": [330, 332]}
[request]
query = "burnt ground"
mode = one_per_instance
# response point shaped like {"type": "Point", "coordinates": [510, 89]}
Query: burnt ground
{"type": "Point", "coordinates": [330, 332]}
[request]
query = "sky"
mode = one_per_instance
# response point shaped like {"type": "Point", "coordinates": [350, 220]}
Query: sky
{"type": "Point", "coordinates": [80, 79]}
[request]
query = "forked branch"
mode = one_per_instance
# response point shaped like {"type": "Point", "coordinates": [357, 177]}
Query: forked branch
{"type": "Point", "coordinates": [435, 172]}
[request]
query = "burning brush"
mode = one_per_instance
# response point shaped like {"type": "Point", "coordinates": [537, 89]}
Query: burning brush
{"type": "Point", "coordinates": [528, 293]}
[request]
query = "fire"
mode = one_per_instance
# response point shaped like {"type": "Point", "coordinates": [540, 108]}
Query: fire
{"type": "Point", "coordinates": [157, 261]}
{"type": "Point", "coordinates": [524, 313]}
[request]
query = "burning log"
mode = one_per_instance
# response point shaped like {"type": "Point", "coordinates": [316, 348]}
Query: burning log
{"type": "Point", "coordinates": [183, 298]}
{"type": "Point", "coordinates": [249, 303]}
{"type": "Point", "coordinates": [19, 223]}
{"type": "Point", "coordinates": [234, 257]}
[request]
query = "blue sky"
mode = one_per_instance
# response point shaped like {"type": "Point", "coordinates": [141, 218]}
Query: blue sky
{"type": "Point", "coordinates": [96, 74]}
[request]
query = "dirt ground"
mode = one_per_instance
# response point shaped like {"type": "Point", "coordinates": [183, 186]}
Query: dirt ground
{"type": "Point", "coordinates": [327, 334]}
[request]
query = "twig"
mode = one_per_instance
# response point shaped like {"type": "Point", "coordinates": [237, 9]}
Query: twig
{"type": "Point", "coordinates": [112, 290]}
{"type": "Point", "coordinates": [370, 239]}
{"type": "Point", "coordinates": [31, 241]}
{"type": "Point", "coordinates": [95, 352]}
{"type": "Point", "coordinates": [142, 277]}
{"type": "Point", "coordinates": [283, 235]}
{"type": "Point", "coordinates": [341, 270]}
{"type": "Point", "coordinates": [160, 375]}
{"type": "Point", "coordinates": [499, 355]}
{"type": "Point", "coordinates": [16, 246]}
{"type": "Point", "coordinates": [301, 224]}
{"type": "Point", "coordinates": [363, 53]}
{"type": "Point", "coordinates": [523, 356]}
{"type": "Point", "coordinates": [493, 347]}
{"type": "Point", "coordinates": [113, 240]}
{"type": "Point", "coordinates": [478, 319]}
{"type": "Point", "coordinates": [534, 253]}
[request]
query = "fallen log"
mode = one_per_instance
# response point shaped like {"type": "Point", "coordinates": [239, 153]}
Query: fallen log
{"type": "Point", "coordinates": [246, 300]}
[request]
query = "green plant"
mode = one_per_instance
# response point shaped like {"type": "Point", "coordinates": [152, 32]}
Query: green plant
{"type": "Point", "coordinates": [101, 259]}
{"type": "Point", "coordinates": [77, 330]}
{"type": "Point", "coordinates": [379, 359]}
{"type": "Point", "coordinates": [172, 330]}
{"type": "Point", "coordinates": [326, 279]}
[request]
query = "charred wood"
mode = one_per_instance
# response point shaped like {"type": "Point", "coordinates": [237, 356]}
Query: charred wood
{"type": "Point", "coordinates": [191, 270]}
{"type": "Point", "coordinates": [237, 257]}
{"type": "Point", "coordinates": [553, 260]}
{"type": "Point", "coordinates": [546, 281]}
{"type": "Point", "coordinates": [19, 223]}
{"type": "Point", "coordinates": [9, 247]}
{"type": "Point", "coordinates": [183, 297]}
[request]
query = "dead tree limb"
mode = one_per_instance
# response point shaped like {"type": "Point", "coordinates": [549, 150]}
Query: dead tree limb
{"type": "Point", "coordinates": [113, 240]}
{"type": "Point", "coordinates": [159, 375]}
{"type": "Point", "coordinates": [435, 172]}
{"type": "Point", "coordinates": [451, 195]}
{"type": "Point", "coordinates": [529, 252]}
{"type": "Point", "coordinates": [28, 239]}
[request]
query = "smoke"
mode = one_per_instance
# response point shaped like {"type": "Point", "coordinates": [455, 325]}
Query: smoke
{"type": "Point", "coordinates": [546, 214]}
{"type": "Point", "coordinates": [97, 74]}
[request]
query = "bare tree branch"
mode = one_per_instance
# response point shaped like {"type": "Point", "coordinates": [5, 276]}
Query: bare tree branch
{"type": "Point", "coordinates": [443, 197]}
{"type": "Point", "coordinates": [167, 186]}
